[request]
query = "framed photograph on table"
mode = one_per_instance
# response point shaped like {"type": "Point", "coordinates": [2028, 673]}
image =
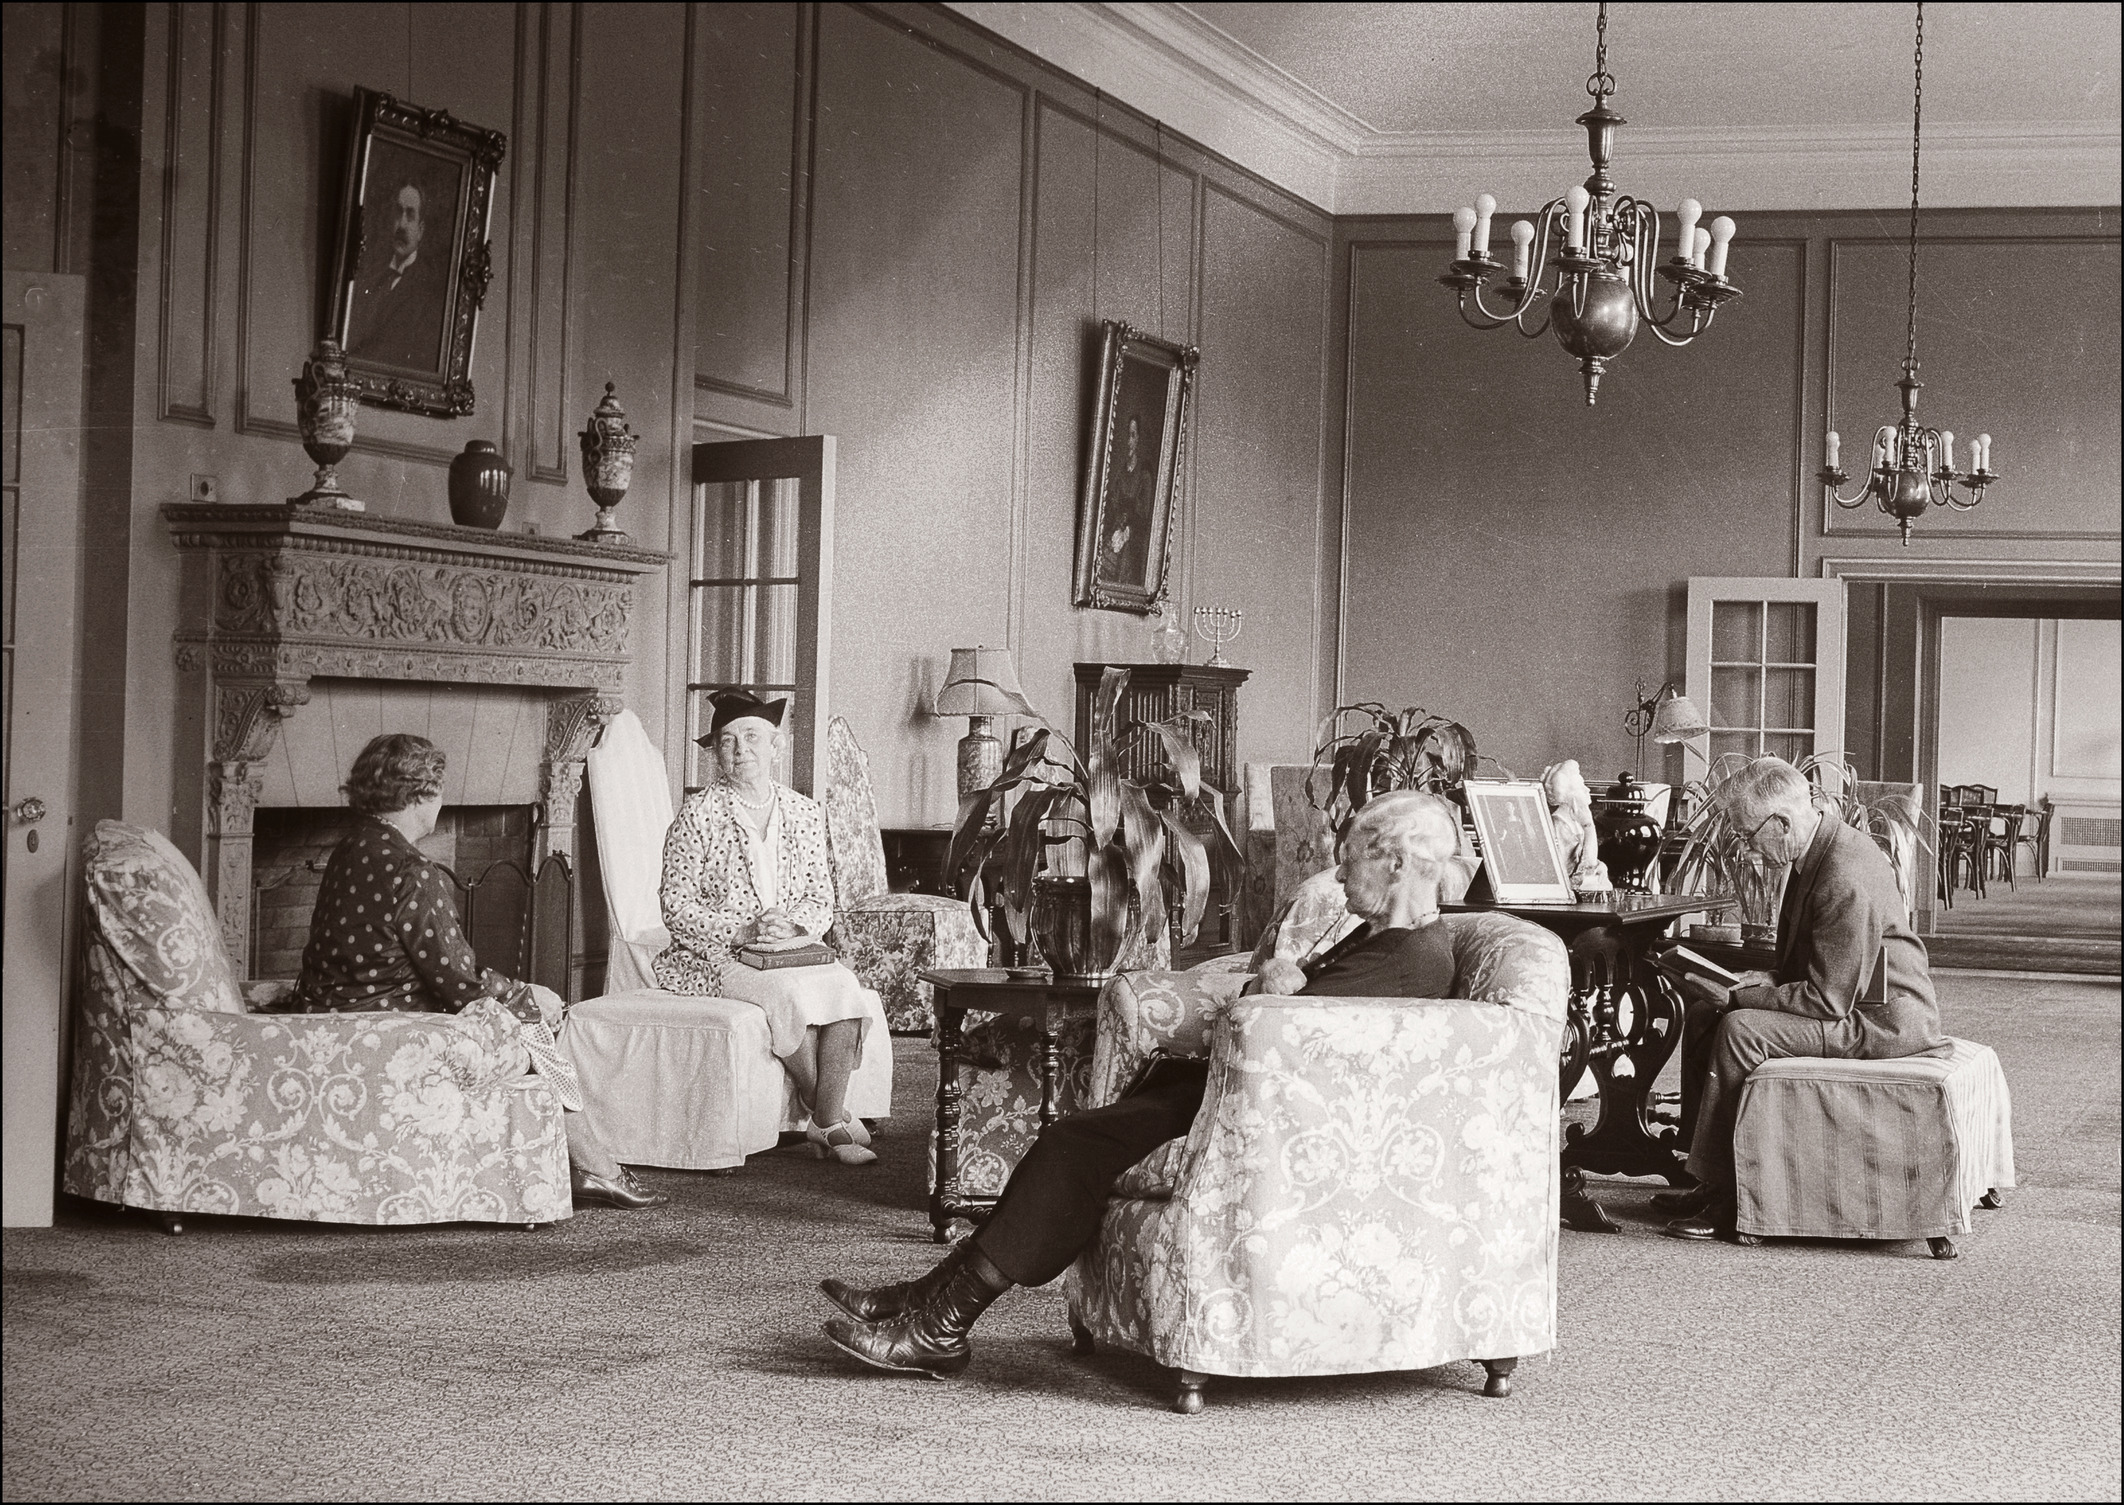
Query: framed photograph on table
{"type": "Point", "coordinates": [1138, 444]}
{"type": "Point", "coordinates": [1520, 855]}
{"type": "Point", "coordinates": [411, 267]}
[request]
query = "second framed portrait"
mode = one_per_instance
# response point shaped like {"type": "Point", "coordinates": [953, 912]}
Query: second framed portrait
{"type": "Point", "coordinates": [1138, 445]}
{"type": "Point", "coordinates": [412, 264]}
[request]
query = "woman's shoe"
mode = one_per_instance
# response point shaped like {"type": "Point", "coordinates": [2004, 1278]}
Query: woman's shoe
{"type": "Point", "coordinates": [622, 1190]}
{"type": "Point", "coordinates": [839, 1142]}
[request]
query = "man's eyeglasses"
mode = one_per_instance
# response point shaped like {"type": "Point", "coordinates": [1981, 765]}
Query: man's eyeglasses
{"type": "Point", "coordinates": [1783, 820]}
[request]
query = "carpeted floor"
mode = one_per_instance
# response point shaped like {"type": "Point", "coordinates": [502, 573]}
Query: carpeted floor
{"type": "Point", "coordinates": [675, 1354]}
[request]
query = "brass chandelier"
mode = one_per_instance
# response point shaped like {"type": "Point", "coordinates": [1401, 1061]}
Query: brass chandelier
{"type": "Point", "coordinates": [1603, 284]}
{"type": "Point", "coordinates": [1912, 466]}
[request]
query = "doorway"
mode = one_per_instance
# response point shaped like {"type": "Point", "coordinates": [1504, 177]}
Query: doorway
{"type": "Point", "coordinates": [1958, 686]}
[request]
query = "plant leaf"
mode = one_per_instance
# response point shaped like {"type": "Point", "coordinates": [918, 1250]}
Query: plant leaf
{"type": "Point", "coordinates": [1108, 871]}
{"type": "Point", "coordinates": [1177, 733]}
{"type": "Point", "coordinates": [1194, 863]}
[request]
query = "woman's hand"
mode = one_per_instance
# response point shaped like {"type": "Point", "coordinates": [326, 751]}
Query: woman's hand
{"type": "Point", "coordinates": [774, 925]}
{"type": "Point", "coordinates": [1280, 976]}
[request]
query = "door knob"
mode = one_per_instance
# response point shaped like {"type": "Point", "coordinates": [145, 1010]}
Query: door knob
{"type": "Point", "coordinates": [29, 812]}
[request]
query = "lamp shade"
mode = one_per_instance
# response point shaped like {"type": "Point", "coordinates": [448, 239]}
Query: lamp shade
{"type": "Point", "coordinates": [1677, 720]}
{"type": "Point", "coordinates": [982, 682]}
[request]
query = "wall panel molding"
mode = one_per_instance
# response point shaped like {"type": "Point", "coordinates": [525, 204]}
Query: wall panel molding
{"type": "Point", "coordinates": [549, 91]}
{"type": "Point", "coordinates": [191, 213]}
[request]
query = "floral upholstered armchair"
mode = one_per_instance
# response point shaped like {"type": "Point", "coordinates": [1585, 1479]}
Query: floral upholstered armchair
{"type": "Point", "coordinates": [184, 1102]}
{"type": "Point", "coordinates": [886, 939]}
{"type": "Point", "coordinates": [1371, 1183]}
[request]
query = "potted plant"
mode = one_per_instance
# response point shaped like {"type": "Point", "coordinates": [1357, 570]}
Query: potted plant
{"type": "Point", "coordinates": [1084, 856]}
{"type": "Point", "coordinates": [1717, 859]}
{"type": "Point", "coordinates": [1366, 750]}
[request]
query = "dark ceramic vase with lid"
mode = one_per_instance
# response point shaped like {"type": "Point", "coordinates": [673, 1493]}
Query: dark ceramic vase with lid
{"type": "Point", "coordinates": [479, 486]}
{"type": "Point", "coordinates": [1630, 838]}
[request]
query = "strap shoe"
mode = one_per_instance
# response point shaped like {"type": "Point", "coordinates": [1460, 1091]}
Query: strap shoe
{"type": "Point", "coordinates": [621, 1190]}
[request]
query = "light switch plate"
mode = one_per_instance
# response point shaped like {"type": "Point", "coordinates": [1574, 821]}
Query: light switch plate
{"type": "Point", "coordinates": [204, 489]}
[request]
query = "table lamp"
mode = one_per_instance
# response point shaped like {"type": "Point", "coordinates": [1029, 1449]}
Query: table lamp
{"type": "Point", "coordinates": [1666, 716]}
{"type": "Point", "coordinates": [982, 685]}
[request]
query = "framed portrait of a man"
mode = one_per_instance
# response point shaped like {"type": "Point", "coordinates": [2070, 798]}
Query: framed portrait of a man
{"type": "Point", "coordinates": [1138, 442]}
{"type": "Point", "coordinates": [412, 264]}
{"type": "Point", "coordinates": [1520, 854]}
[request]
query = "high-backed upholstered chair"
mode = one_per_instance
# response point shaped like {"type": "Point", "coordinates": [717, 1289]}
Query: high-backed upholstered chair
{"type": "Point", "coordinates": [887, 939]}
{"type": "Point", "coordinates": [185, 1103]}
{"type": "Point", "coordinates": [1371, 1183]}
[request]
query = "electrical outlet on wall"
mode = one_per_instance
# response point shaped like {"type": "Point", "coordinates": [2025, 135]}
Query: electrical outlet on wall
{"type": "Point", "coordinates": [205, 489]}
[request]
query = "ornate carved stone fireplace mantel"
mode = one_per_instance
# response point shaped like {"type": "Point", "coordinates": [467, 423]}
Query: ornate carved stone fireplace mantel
{"type": "Point", "coordinates": [275, 596]}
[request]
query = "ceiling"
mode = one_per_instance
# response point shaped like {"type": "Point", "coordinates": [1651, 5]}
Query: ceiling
{"type": "Point", "coordinates": [1399, 108]}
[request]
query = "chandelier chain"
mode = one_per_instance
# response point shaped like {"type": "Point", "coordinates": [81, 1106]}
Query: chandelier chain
{"type": "Point", "coordinates": [1602, 83]}
{"type": "Point", "coordinates": [1917, 126]}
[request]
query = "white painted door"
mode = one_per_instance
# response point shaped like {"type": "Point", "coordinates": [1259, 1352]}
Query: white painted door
{"type": "Point", "coordinates": [40, 392]}
{"type": "Point", "coordinates": [1766, 666]}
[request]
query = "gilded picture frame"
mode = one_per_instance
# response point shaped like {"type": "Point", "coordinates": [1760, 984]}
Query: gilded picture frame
{"type": "Point", "coordinates": [411, 263]}
{"type": "Point", "coordinates": [1132, 479]}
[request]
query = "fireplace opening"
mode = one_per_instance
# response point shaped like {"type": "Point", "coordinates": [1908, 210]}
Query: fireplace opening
{"type": "Point", "coordinates": [520, 921]}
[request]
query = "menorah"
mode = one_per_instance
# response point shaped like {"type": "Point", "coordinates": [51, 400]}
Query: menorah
{"type": "Point", "coordinates": [1217, 626]}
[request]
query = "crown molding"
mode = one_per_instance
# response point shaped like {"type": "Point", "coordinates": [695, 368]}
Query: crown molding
{"type": "Point", "coordinates": [1177, 68]}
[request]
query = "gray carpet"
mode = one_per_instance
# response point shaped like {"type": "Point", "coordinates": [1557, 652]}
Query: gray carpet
{"type": "Point", "coordinates": [675, 1354]}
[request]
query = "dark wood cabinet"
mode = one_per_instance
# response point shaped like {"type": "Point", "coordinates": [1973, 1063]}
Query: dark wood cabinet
{"type": "Point", "coordinates": [1157, 691]}
{"type": "Point", "coordinates": [915, 858]}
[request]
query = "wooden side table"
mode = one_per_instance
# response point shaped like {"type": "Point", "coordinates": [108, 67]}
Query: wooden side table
{"type": "Point", "coordinates": [1048, 1005]}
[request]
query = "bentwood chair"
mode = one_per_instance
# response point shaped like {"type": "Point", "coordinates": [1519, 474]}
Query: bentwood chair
{"type": "Point", "coordinates": [2034, 834]}
{"type": "Point", "coordinates": [2002, 836]}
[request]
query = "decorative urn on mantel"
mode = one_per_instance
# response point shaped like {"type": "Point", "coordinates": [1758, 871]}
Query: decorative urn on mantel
{"type": "Point", "coordinates": [273, 597]}
{"type": "Point", "coordinates": [608, 466]}
{"type": "Point", "coordinates": [326, 404]}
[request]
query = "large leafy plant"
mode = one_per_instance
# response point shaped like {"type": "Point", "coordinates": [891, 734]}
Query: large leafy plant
{"type": "Point", "coordinates": [1367, 750]}
{"type": "Point", "coordinates": [1055, 811]}
{"type": "Point", "coordinates": [1716, 858]}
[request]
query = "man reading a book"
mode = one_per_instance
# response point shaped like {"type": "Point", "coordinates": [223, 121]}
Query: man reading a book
{"type": "Point", "coordinates": [1851, 980]}
{"type": "Point", "coordinates": [1393, 855]}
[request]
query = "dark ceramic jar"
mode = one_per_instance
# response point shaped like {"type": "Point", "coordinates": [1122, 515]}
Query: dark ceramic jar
{"type": "Point", "coordinates": [479, 486]}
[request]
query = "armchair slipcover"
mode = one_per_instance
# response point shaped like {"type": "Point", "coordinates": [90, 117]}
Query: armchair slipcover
{"type": "Point", "coordinates": [887, 939]}
{"type": "Point", "coordinates": [183, 1102]}
{"type": "Point", "coordinates": [1371, 1183]}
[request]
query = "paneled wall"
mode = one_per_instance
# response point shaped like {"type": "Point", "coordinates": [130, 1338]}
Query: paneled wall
{"type": "Point", "coordinates": [1518, 560]}
{"type": "Point", "coordinates": [914, 232]}
{"type": "Point", "coordinates": [869, 221]}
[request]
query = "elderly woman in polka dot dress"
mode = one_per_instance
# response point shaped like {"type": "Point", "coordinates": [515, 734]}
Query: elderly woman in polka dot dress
{"type": "Point", "coordinates": [384, 934]}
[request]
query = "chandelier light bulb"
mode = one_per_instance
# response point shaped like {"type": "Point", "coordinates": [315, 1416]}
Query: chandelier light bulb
{"type": "Point", "coordinates": [1703, 244]}
{"type": "Point", "coordinates": [1686, 216]}
{"type": "Point", "coordinates": [1721, 237]}
{"type": "Point", "coordinates": [1830, 449]}
{"type": "Point", "coordinates": [1522, 241]}
{"type": "Point", "coordinates": [1485, 206]}
{"type": "Point", "coordinates": [1463, 232]}
{"type": "Point", "coordinates": [1575, 217]}
{"type": "Point", "coordinates": [1983, 454]}
{"type": "Point", "coordinates": [1947, 449]}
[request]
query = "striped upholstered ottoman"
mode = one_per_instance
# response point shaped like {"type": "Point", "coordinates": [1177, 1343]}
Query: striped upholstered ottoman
{"type": "Point", "coordinates": [1873, 1149]}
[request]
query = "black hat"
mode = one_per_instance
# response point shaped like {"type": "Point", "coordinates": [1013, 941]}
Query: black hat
{"type": "Point", "coordinates": [735, 705]}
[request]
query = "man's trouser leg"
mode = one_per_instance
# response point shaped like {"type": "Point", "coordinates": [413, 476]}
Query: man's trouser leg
{"type": "Point", "coordinates": [1700, 1021]}
{"type": "Point", "coordinates": [1051, 1207]}
{"type": "Point", "coordinates": [1745, 1039]}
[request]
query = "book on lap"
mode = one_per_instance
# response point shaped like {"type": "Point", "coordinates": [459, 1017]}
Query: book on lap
{"type": "Point", "coordinates": [796, 951]}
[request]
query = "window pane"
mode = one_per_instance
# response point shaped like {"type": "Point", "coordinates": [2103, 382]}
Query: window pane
{"type": "Point", "coordinates": [1788, 697]}
{"type": "Point", "coordinates": [725, 529]}
{"type": "Point", "coordinates": [1793, 747]}
{"type": "Point", "coordinates": [775, 635]}
{"type": "Point", "coordinates": [1737, 632]}
{"type": "Point", "coordinates": [778, 527]}
{"type": "Point", "coordinates": [1789, 628]}
{"type": "Point", "coordinates": [1722, 743]}
{"type": "Point", "coordinates": [1736, 697]}
{"type": "Point", "coordinates": [722, 628]}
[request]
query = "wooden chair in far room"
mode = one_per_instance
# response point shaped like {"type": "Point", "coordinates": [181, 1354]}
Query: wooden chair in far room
{"type": "Point", "coordinates": [1961, 842]}
{"type": "Point", "coordinates": [1370, 1184]}
{"type": "Point", "coordinates": [2002, 835]}
{"type": "Point", "coordinates": [2034, 834]}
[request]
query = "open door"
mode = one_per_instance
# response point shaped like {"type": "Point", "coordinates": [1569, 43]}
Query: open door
{"type": "Point", "coordinates": [40, 546]}
{"type": "Point", "coordinates": [760, 590]}
{"type": "Point", "coordinates": [1766, 666]}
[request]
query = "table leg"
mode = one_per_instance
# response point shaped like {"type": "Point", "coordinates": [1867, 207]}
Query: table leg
{"type": "Point", "coordinates": [1050, 1068]}
{"type": "Point", "coordinates": [942, 1195]}
{"type": "Point", "coordinates": [1627, 1140]}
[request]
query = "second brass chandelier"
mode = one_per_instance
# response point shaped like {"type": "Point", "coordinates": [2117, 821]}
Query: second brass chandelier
{"type": "Point", "coordinates": [1603, 273]}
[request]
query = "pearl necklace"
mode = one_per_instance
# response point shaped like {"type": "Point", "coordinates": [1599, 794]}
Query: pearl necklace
{"type": "Point", "coordinates": [745, 804]}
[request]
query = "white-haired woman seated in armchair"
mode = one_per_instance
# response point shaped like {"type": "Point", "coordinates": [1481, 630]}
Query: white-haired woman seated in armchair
{"type": "Point", "coordinates": [384, 935]}
{"type": "Point", "coordinates": [746, 861]}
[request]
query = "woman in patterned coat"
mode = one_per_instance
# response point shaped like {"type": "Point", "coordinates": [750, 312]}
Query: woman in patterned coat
{"type": "Point", "coordinates": [746, 860]}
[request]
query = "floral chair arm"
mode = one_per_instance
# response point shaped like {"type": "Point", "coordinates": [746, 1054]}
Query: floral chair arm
{"type": "Point", "coordinates": [1142, 1012]}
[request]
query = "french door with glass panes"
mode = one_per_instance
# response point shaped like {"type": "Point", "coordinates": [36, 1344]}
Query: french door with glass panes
{"type": "Point", "coordinates": [1766, 667]}
{"type": "Point", "coordinates": [760, 591]}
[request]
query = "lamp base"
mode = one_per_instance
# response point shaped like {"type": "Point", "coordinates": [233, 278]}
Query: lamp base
{"type": "Point", "coordinates": [980, 756]}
